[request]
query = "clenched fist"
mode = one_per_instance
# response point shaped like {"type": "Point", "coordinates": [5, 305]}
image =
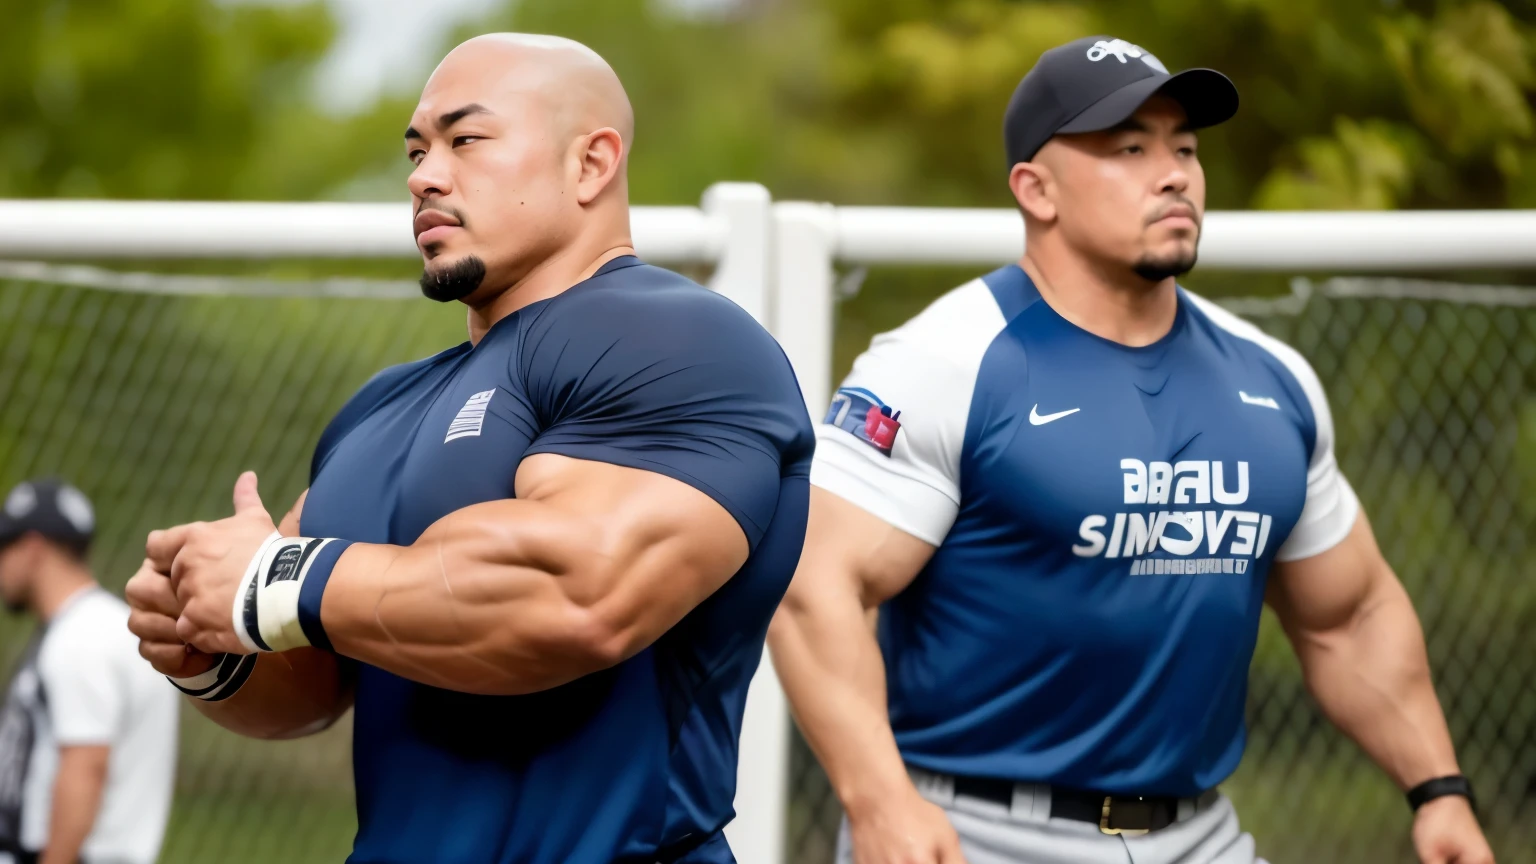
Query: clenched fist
{"type": "Point", "coordinates": [206, 562]}
{"type": "Point", "coordinates": [152, 617]}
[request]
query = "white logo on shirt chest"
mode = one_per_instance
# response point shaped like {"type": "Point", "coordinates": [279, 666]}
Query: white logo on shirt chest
{"type": "Point", "coordinates": [1038, 419]}
{"type": "Point", "coordinates": [467, 423]}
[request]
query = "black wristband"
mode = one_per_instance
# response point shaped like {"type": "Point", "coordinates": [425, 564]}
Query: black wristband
{"type": "Point", "coordinates": [1440, 787]}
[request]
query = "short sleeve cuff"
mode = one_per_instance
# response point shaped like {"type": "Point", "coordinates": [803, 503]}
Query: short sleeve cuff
{"type": "Point", "coordinates": [1324, 523]}
{"type": "Point", "coordinates": [903, 502]}
{"type": "Point", "coordinates": [91, 735]}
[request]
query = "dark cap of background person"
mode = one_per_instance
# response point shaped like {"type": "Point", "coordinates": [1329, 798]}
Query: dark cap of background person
{"type": "Point", "coordinates": [1098, 82]}
{"type": "Point", "coordinates": [52, 508]}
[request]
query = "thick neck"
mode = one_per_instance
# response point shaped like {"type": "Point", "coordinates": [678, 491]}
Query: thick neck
{"type": "Point", "coordinates": [1118, 306]}
{"type": "Point", "coordinates": [607, 238]}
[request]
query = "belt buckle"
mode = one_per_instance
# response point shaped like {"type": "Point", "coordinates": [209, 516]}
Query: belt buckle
{"type": "Point", "coordinates": [1104, 827]}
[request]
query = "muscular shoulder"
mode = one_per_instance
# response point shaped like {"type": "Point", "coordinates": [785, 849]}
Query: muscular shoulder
{"type": "Point", "coordinates": [891, 441]}
{"type": "Point", "coordinates": [643, 310]}
{"type": "Point", "coordinates": [643, 329]}
{"type": "Point", "coordinates": [1287, 363]}
{"type": "Point", "coordinates": [951, 335]}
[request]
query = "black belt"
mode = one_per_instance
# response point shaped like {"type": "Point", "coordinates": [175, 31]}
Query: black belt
{"type": "Point", "coordinates": [1114, 814]}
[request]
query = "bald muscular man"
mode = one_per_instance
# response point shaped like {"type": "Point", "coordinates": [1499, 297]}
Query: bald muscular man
{"type": "Point", "coordinates": [541, 564]}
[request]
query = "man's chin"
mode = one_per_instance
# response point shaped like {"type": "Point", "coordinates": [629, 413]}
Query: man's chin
{"type": "Point", "coordinates": [1155, 267]}
{"type": "Point", "coordinates": [447, 280]}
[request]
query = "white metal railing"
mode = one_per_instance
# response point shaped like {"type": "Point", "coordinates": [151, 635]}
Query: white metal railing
{"type": "Point", "coordinates": [776, 261]}
{"type": "Point", "coordinates": [1238, 240]}
{"type": "Point", "coordinates": [166, 229]}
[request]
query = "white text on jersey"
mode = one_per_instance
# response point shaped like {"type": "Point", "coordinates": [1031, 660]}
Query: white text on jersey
{"type": "Point", "coordinates": [1193, 482]}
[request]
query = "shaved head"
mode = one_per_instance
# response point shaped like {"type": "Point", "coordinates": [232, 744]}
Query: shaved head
{"type": "Point", "coordinates": [520, 143]}
{"type": "Point", "coordinates": [580, 89]}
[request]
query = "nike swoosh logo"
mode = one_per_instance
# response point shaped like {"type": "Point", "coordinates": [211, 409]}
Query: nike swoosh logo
{"type": "Point", "coordinates": [1036, 419]}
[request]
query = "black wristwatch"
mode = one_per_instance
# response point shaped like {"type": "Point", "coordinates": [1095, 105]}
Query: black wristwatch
{"type": "Point", "coordinates": [1429, 790]}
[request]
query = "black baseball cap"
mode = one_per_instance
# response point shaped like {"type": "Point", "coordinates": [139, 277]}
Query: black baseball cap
{"type": "Point", "coordinates": [1095, 83]}
{"type": "Point", "coordinates": [52, 508]}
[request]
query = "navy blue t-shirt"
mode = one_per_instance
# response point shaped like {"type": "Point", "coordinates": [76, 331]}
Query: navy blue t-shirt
{"type": "Point", "coordinates": [638, 367]}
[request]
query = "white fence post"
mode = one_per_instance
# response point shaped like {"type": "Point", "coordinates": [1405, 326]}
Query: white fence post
{"type": "Point", "coordinates": [746, 209]}
{"type": "Point", "coordinates": [743, 273]}
{"type": "Point", "coordinates": [799, 302]}
{"type": "Point", "coordinates": [803, 301]}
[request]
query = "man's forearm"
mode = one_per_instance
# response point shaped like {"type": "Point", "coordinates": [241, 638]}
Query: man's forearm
{"type": "Point", "coordinates": [834, 676]}
{"type": "Point", "coordinates": [289, 695]}
{"type": "Point", "coordinates": [1371, 678]}
{"type": "Point", "coordinates": [76, 797]}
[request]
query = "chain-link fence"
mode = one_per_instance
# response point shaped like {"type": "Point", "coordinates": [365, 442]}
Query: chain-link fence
{"type": "Point", "coordinates": [152, 395]}
{"type": "Point", "coordinates": [1433, 388]}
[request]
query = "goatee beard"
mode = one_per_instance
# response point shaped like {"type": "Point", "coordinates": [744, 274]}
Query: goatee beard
{"type": "Point", "coordinates": [454, 282]}
{"type": "Point", "coordinates": [1158, 269]}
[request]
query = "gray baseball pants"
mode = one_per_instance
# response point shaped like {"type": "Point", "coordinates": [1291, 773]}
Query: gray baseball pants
{"type": "Point", "coordinates": [1206, 832]}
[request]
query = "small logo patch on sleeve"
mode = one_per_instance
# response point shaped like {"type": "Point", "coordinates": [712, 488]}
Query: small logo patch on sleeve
{"type": "Point", "coordinates": [861, 413]}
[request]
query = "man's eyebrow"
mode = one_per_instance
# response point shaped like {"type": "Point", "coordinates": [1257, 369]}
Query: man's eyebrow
{"type": "Point", "coordinates": [450, 118]}
{"type": "Point", "coordinates": [1129, 124]}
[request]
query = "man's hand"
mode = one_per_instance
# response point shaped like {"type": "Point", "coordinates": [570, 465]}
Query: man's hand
{"type": "Point", "coordinates": [152, 617]}
{"type": "Point", "coordinates": [907, 830]}
{"type": "Point", "coordinates": [1445, 831]}
{"type": "Point", "coordinates": [206, 561]}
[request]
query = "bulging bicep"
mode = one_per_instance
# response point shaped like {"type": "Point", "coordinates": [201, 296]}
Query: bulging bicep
{"type": "Point", "coordinates": [852, 552]}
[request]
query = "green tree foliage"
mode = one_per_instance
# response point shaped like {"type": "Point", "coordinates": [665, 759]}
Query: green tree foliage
{"type": "Point", "coordinates": [1346, 105]}
{"type": "Point", "coordinates": [169, 99]}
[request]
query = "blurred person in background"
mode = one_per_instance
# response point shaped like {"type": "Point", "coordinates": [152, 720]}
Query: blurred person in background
{"type": "Point", "coordinates": [1070, 486]}
{"type": "Point", "coordinates": [88, 729]}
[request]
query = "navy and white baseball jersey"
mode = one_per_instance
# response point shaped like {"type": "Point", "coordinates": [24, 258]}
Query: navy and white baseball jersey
{"type": "Point", "coordinates": [1104, 517]}
{"type": "Point", "coordinates": [637, 367]}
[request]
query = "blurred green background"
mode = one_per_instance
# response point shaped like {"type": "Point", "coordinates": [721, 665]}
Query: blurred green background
{"type": "Point", "coordinates": [153, 404]}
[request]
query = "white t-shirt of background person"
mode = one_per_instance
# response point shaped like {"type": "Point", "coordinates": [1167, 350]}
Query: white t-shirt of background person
{"type": "Point", "coordinates": [97, 690]}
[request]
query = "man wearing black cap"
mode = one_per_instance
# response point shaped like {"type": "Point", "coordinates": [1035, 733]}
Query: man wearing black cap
{"type": "Point", "coordinates": [1070, 486]}
{"type": "Point", "coordinates": [88, 728]}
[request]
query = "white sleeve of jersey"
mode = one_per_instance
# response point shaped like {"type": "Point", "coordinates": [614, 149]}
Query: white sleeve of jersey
{"type": "Point", "coordinates": [923, 374]}
{"type": "Point", "coordinates": [1331, 507]}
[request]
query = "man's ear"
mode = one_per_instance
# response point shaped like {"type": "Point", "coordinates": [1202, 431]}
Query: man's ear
{"type": "Point", "coordinates": [600, 155]}
{"type": "Point", "coordinates": [1034, 189]}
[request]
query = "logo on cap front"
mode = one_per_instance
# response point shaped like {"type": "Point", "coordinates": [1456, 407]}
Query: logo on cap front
{"type": "Point", "coordinates": [1122, 50]}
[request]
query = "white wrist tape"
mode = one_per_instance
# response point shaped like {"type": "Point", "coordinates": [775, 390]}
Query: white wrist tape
{"type": "Point", "coordinates": [266, 609]}
{"type": "Point", "coordinates": [220, 682]}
